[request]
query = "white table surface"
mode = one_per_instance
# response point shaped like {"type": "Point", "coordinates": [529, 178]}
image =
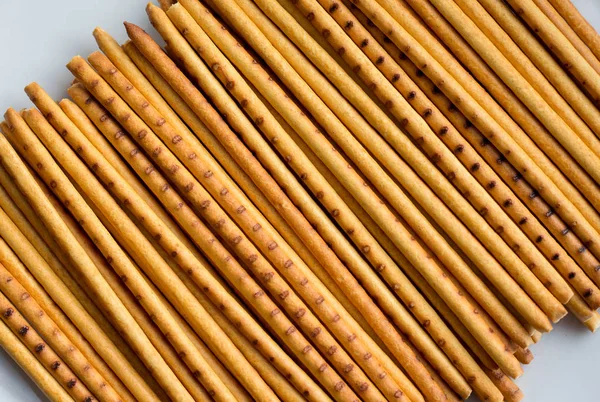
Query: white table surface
{"type": "Point", "coordinates": [39, 37]}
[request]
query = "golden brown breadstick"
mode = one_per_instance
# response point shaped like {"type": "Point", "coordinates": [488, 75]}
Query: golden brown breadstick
{"type": "Point", "coordinates": [570, 58]}
{"type": "Point", "coordinates": [33, 368]}
{"type": "Point", "coordinates": [524, 356]}
{"type": "Point", "coordinates": [61, 294]}
{"type": "Point", "coordinates": [311, 177]}
{"type": "Point", "coordinates": [102, 291]}
{"type": "Point", "coordinates": [579, 24]}
{"type": "Point", "coordinates": [248, 288]}
{"type": "Point", "coordinates": [537, 66]}
{"type": "Point", "coordinates": [42, 351]}
{"type": "Point", "coordinates": [498, 188]}
{"type": "Point", "coordinates": [532, 130]}
{"type": "Point", "coordinates": [569, 33]}
{"type": "Point", "coordinates": [593, 323]}
{"type": "Point", "coordinates": [509, 389]}
{"type": "Point", "coordinates": [494, 132]}
{"type": "Point", "coordinates": [12, 290]}
{"type": "Point", "coordinates": [385, 184]}
{"type": "Point", "coordinates": [165, 279]}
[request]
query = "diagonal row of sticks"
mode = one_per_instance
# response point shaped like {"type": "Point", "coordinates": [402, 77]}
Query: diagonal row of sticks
{"type": "Point", "coordinates": [306, 199]}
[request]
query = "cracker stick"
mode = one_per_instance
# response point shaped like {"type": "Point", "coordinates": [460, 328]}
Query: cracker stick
{"type": "Point", "coordinates": [31, 366]}
{"type": "Point", "coordinates": [534, 63]}
{"type": "Point", "coordinates": [494, 132]}
{"type": "Point", "coordinates": [52, 306]}
{"type": "Point", "coordinates": [524, 356]}
{"type": "Point", "coordinates": [56, 339]}
{"type": "Point", "coordinates": [44, 353]}
{"type": "Point", "coordinates": [102, 291]}
{"type": "Point", "coordinates": [593, 323]}
{"type": "Point", "coordinates": [509, 389]}
{"type": "Point", "coordinates": [165, 278]}
{"type": "Point", "coordinates": [385, 184]}
{"type": "Point", "coordinates": [497, 187]}
{"type": "Point", "coordinates": [531, 126]}
{"type": "Point", "coordinates": [579, 24]}
{"type": "Point", "coordinates": [246, 184]}
{"type": "Point", "coordinates": [186, 217]}
{"type": "Point", "coordinates": [569, 33]}
{"type": "Point", "coordinates": [536, 336]}
{"type": "Point", "coordinates": [570, 58]}
{"type": "Point", "coordinates": [271, 129]}
{"type": "Point", "coordinates": [579, 309]}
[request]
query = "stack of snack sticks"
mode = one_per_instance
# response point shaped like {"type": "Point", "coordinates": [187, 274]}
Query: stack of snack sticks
{"type": "Point", "coordinates": [306, 200]}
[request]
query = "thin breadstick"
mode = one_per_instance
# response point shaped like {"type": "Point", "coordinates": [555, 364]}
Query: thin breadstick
{"type": "Point", "coordinates": [579, 24]}
{"type": "Point", "coordinates": [268, 246]}
{"type": "Point", "coordinates": [111, 250]}
{"type": "Point", "coordinates": [441, 156]}
{"type": "Point", "coordinates": [44, 353]}
{"type": "Point", "coordinates": [593, 323]}
{"type": "Point", "coordinates": [102, 291]}
{"type": "Point", "coordinates": [536, 336]}
{"type": "Point", "coordinates": [31, 366]}
{"type": "Point", "coordinates": [569, 33]}
{"type": "Point", "coordinates": [537, 67]}
{"type": "Point", "coordinates": [524, 356]}
{"type": "Point", "coordinates": [580, 309]}
{"type": "Point", "coordinates": [571, 59]}
{"type": "Point", "coordinates": [52, 306]}
{"type": "Point", "coordinates": [385, 183]}
{"type": "Point", "coordinates": [271, 129]}
{"type": "Point", "coordinates": [248, 288]}
{"type": "Point", "coordinates": [509, 389]}
{"type": "Point", "coordinates": [12, 290]}
{"type": "Point", "coordinates": [497, 187]}
{"type": "Point", "coordinates": [532, 130]}
{"type": "Point", "coordinates": [494, 132]}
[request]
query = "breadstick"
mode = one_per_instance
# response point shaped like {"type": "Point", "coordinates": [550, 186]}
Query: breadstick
{"type": "Point", "coordinates": [509, 389]}
{"type": "Point", "coordinates": [10, 233]}
{"type": "Point", "coordinates": [42, 351]}
{"type": "Point", "coordinates": [524, 356]}
{"type": "Point", "coordinates": [569, 33]}
{"type": "Point", "coordinates": [248, 288]}
{"type": "Point", "coordinates": [388, 185]}
{"type": "Point", "coordinates": [531, 127]}
{"type": "Point", "coordinates": [571, 59]}
{"type": "Point", "coordinates": [311, 176]}
{"type": "Point", "coordinates": [536, 336]}
{"type": "Point", "coordinates": [33, 368]}
{"type": "Point", "coordinates": [118, 81]}
{"type": "Point", "coordinates": [12, 290]}
{"type": "Point", "coordinates": [579, 24]}
{"type": "Point", "coordinates": [441, 155]}
{"type": "Point", "coordinates": [527, 55]}
{"type": "Point", "coordinates": [580, 309]}
{"type": "Point", "coordinates": [593, 323]}
{"type": "Point", "coordinates": [517, 156]}
{"type": "Point", "coordinates": [102, 291]}
{"type": "Point", "coordinates": [30, 225]}
{"type": "Point", "coordinates": [166, 278]}
{"type": "Point", "coordinates": [497, 187]}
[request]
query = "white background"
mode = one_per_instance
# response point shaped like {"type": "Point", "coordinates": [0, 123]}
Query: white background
{"type": "Point", "coordinates": [39, 37]}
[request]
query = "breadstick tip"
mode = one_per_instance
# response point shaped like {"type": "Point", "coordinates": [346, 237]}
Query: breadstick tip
{"type": "Point", "coordinates": [32, 90]}
{"type": "Point", "coordinates": [132, 29]}
{"type": "Point", "coordinates": [76, 63]}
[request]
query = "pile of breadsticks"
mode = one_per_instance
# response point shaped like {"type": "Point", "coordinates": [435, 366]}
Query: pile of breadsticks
{"type": "Point", "coordinates": [306, 200]}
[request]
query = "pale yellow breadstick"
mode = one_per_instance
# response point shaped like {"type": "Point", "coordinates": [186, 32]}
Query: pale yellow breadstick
{"type": "Point", "coordinates": [31, 366]}
{"type": "Point", "coordinates": [102, 291]}
{"type": "Point", "coordinates": [570, 58]}
{"type": "Point", "coordinates": [537, 336]}
{"type": "Point", "coordinates": [538, 68]}
{"type": "Point", "coordinates": [579, 24]}
{"type": "Point", "coordinates": [532, 130]}
{"type": "Point", "coordinates": [55, 338]}
{"type": "Point", "coordinates": [569, 32]}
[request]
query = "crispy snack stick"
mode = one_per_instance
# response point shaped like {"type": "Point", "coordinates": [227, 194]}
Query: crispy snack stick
{"type": "Point", "coordinates": [537, 67]}
{"type": "Point", "coordinates": [593, 323]}
{"type": "Point", "coordinates": [245, 183]}
{"type": "Point", "coordinates": [497, 187]}
{"type": "Point", "coordinates": [509, 389]}
{"type": "Point", "coordinates": [441, 156]}
{"type": "Point", "coordinates": [12, 290]}
{"type": "Point", "coordinates": [248, 287]}
{"type": "Point", "coordinates": [102, 291]}
{"type": "Point", "coordinates": [579, 24]}
{"type": "Point", "coordinates": [52, 306]}
{"type": "Point", "coordinates": [42, 351]}
{"type": "Point", "coordinates": [569, 32]}
{"type": "Point", "coordinates": [164, 278]}
{"type": "Point", "coordinates": [311, 177]}
{"type": "Point", "coordinates": [570, 58]}
{"type": "Point", "coordinates": [383, 182]}
{"type": "Point", "coordinates": [31, 366]}
{"type": "Point", "coordinates": [532, 130]}
{"type": "Point", "coordinates": [494, 132]}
